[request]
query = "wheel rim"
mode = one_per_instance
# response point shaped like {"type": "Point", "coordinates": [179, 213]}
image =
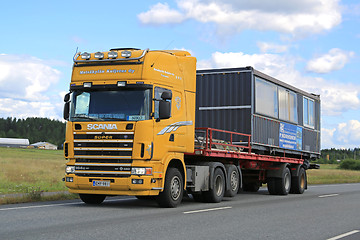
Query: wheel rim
{"type": "Point", "coordinates": [234, 181]}
{"type": "Point", "coordinates": [302, 181]}
{"type": "Point", "coordinates": [218, 185]}
{"type": "Point", "coordinates": [175, 188]}
{"type": "Point", "coordinates": [287, 179]}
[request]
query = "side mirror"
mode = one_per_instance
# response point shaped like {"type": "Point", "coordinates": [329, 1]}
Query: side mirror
{"type": "Point", "coordinates": [167, 95]}
{"type": "Point", "coordinates": [66, 111]}
{"type": "Point", "coordinates": [67, 97]}
{"type": "Point", "coordinates": [164, 109]}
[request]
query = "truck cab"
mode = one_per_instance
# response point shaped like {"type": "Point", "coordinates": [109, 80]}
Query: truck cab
{"type": "Point", "coordinates": [130, 117]}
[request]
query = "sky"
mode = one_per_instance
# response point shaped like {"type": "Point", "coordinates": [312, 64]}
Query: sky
{"type": "Point", "coordinates": [311, 44]}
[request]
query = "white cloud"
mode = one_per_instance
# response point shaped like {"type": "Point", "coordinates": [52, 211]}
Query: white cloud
{"type": "Point", "coordinates": [272, 47]}
{"type": "Point", "coordinates": [23, 109]}
{"type": "Point", "coordinates": [25, 77]}
{"type": "Point", "coordinates": [308, 16]}
{"type": "Point", "coordinates": [344, 135]}
{"type": "Point", "coordinates": [336, 97]}
{"type": "Point", "coordinates": [25, 83]}
{"type": "Point", "coordinates": [161, 14]}
{"type": "Point", "coordinates": [335, 59]}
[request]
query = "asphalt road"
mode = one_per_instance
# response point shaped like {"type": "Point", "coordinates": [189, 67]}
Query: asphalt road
{"type": "Point", "coordinates": [322, 212]}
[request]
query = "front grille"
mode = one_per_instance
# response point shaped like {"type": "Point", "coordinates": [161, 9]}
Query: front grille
{"type": "Point", "coordinates": [106, 154]}
{"type": "Point", "coordinates": [97, 160]}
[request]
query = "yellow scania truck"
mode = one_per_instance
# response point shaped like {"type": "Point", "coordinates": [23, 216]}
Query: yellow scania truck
{"type": "Point", "coordinates": [145, 123]}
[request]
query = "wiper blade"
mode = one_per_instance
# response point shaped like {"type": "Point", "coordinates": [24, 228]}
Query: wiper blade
{"type": "Point", "coordinates": [88, 117]}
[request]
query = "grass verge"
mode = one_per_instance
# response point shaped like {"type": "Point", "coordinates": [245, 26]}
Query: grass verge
{"type": "Point", "coordinates": [330, 174]}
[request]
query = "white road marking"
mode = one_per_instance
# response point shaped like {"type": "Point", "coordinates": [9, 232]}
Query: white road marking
{"type": "Point", "coordinates": [207, 210]}
{"type": "Point", "coordinates": [329, 195]}
{"type": "Point", "coordinates": [344, 235]}
{"type": "Point", "coordinates": [55, 205]}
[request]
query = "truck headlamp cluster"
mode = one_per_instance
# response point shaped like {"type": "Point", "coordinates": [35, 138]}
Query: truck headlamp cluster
{"type": "Point", "coordinates": [112, 54]}
{"type": "Point", "coordinates": [85, 56]}
{"type": "Point", "coordinates": [141, 171]}
{"type": "Point", "coordinates": [70, 169]}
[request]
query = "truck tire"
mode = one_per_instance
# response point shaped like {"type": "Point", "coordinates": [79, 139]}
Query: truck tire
{"type": "Point", "coordinates": [217, 192]}
{"type": "Point", "coordinates": [298, 184]}
{"type": "Point", "coordinates": [271, 186]}
{"type": "Point", "coordinates": [280, 186]}
{"type": "Point", "coordinates": [233, 180]}
{"type": "Point", "coordinates": [93, 199]}
{"type": "Point", "coordinates": [173, 192]}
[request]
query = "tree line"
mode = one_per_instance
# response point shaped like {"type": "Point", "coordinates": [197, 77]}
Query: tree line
{"type": "Point", "coordinates": [35, 129]}
{"type": "Point", "coordinates": [333, 155]}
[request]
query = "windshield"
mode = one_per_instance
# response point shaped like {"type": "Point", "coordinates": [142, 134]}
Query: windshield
{"type": "Point", "coordinates": [125, 105]}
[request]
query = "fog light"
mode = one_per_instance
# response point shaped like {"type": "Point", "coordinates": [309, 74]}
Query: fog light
{"type": "Point", "coordinates": [69, 179]}
{"type": "Point", "coordinates": [137, 181]}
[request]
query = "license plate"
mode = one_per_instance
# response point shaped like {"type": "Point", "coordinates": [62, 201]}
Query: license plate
{"type": "Point", "coordinates": [101, 183]}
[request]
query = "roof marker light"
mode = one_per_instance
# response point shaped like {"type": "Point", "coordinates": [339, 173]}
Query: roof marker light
{"type": "Point", "coordinates": [85, 56]}
{"type": "Point", "coordinates": [126, 54]}
{"type": "Point", "coordinates": [99, 55]}
{"type": "Point", "coordinates": [121, 84]}
{"type": "Point", "coordinates": [112, 54]}
{"type": "Point", "coordinates": [87, 84]}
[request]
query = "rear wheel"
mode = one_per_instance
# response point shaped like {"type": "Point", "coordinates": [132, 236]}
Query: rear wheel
{"type": "Point", "coordinates": [234, 182]}
{"type": "Point", "coordinates": [298, 183]}
{"type": "Point", "coordinates": [173, 189]}
{"type": "Point", "coordinates": [280, 186]}
{"type": "Point", "coordinates": [216, 194]}
{"type": "Point", "coordinates": [92, 198]}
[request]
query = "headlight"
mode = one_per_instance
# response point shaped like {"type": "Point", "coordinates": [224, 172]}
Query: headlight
{"type": "Point", "coordinates": [141, 171]}
{"type": "Point", "coordinates": [70, 169]}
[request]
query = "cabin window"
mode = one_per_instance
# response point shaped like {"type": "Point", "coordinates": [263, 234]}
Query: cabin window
{"type": "Point", "coordinates": [309, 114]}
{"type": "Point", "coordinates": [157, 94]}
{"type": "Point", "coordinates": [287, 105]}
{"type": "Point", "coordinates": [266, 98]}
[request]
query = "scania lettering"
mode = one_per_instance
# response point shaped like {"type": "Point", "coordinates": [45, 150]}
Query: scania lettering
{"type": "Point", "coordinates": [147, 124]}
{"type": "Point", "coordinates": [101, 126]}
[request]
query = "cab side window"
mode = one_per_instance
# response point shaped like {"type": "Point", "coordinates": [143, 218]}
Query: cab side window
{"type": "Point", "coordinates": [157, 94]}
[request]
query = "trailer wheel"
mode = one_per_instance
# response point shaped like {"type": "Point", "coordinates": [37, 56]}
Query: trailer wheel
{"type": "Point", "coordinates": [216, 194]}
{"type": "Point", "coordinates": [298, 184]}
{"type": "Point", "coordinates": [173, 190]}
{"type": "Point", "coordinates": [94, 199]}
{"type": "Point", "coordinates": [271, 186]}
{"type": "Point", "coordinates": [280, 186]}
{"type": "Point", "coordinates": [234, 182]}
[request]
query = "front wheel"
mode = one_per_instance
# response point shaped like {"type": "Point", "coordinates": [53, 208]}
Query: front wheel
{"type": "Point", "coordinates": [93, 199]}
{"type": "Point", "coordinates": [173, 190]}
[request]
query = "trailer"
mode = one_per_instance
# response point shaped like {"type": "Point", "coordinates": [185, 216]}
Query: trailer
{"type": "Point", "coordinates": [147, 124]}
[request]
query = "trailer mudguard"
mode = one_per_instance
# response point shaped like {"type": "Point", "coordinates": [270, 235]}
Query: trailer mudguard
{"type": "Point", "coordinates": [276, 170]}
